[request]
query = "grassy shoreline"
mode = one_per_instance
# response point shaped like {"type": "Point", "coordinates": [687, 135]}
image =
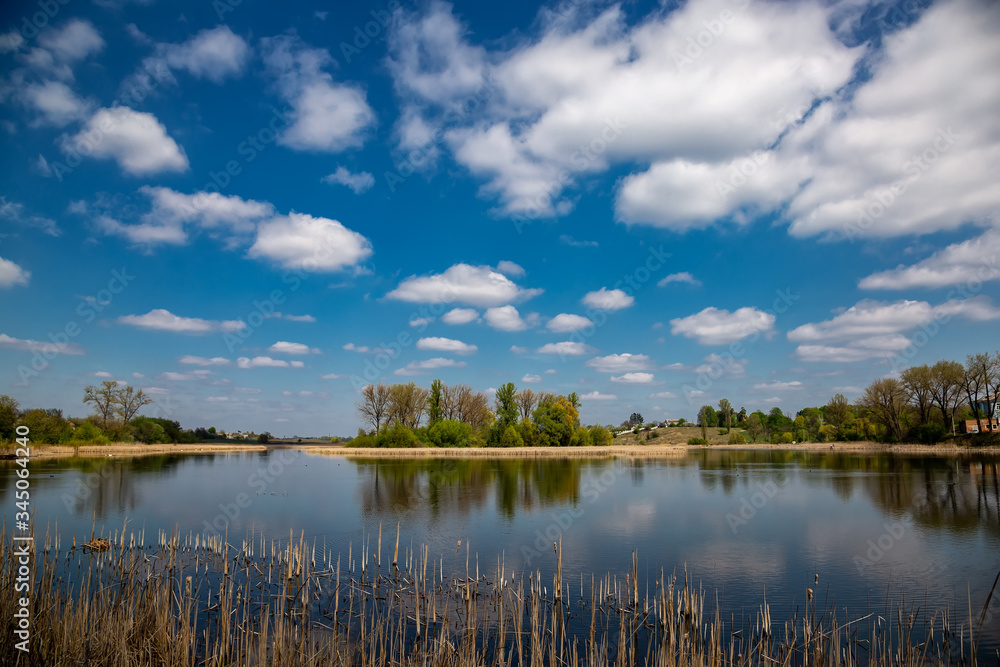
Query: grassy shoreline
{"type": "Point", "coordinates": [623, 450]}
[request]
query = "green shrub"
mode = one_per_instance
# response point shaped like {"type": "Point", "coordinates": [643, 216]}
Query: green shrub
{"type": "Point", "coordinates": [929, 433]}
{"type": "Point", "coordinates": [363, 439]}
{"type": "Point", "coordinates": [581, 438]}
{"type": "Point", "coordinates": [398, 436]}
{"type": "Point", "coordinates": [600, 436]}
{"type": "Point", "coordinates": [697, 441]}
{"type": "Point", "coordinates": [786, 438]}
{"type": "Point", "coordinates": [737, 439]}
{"type": "Point", "coordinates": [511, 438]}
{"type": "Point", "coordinates": [449, 433]}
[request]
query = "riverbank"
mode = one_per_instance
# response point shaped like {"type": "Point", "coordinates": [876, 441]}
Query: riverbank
{"type": "Point", "coordinates": [131, 449]}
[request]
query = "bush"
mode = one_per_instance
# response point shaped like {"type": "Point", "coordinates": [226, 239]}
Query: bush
{"type": "Point", "coordinates": [449, 433]}
{"type": "Point", "coordinates": [264, 438]}
{"type": "Point", "coordinates": [651, 435]}
{"type": "Point", "coordinates": [581, 438]}
{"type": "Point", "coordinates": [89, 433]}
{"type": "Point", "coordinates": [737, 439]}
{"type": "Point", "coordinates": [723, 431]}
{"type": "Point", "coordinates": [148, 431]}
{"type": "Point", "coordinates": [786, 438]}
{"type": "Point", "coordinates": [600, 436]}
{"type": "Point", "coordinates": [697, 441]}
{"type": "Point", "coordinates": [363, 439]}
{"type": "Point", "coordinates": [398, 436]}
{"type": "Point", "coordinates": [929, 433]}
{"type": "Point", "coordinates": [511, 438]}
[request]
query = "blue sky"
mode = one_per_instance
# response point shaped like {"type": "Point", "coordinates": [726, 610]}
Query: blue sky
{"type": "Point", "coordinates": [252, 209]}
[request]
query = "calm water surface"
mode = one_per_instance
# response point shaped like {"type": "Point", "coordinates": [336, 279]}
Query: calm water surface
{"type": "Point", "coordinates": [875, 528]}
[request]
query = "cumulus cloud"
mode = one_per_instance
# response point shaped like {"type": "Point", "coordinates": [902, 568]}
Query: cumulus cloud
{"type": "Point", "coordinates": [565, 349]}
{"type": "Point", "coordinates": [48, 348]}
{"type": "Point", "coordinates": [968, 262]}
{"type": "Point", "coordinates": [326, 116]}
{"type": "Point", "coordinates": [300, 241]}
{"type": "Point", "coordinates": [633, 378]}
{"type": "Point", "coordinates": [618, 363]}
{"type": "Point", "coordinates": [479, 286]}
{"type": "Point", "coordinates": [778, 386]}
{"type": "Point", "coordinates": [267, 362]}
{"type": "Point", "coordinates": [57, 105]}
{"type": "Point", "coordinates": [284, 347]}
{"type": "Point", "coordinates": [136, 140]}
{"type": "Point", "coordinates": [509, 268]}
{"type": "Point", "coordinates": [160, 319]}
{"type": "Point", "coordinates": [212, 54]}
{"type": "Point", "coordinates": [445, 345]}
{"type": "Point", "coordinates": [11, 274]}
{"type": "Point", "coordinates": [683, 277]}
{"type": "Point", "coordinates": [663, 394]}
{"type": "Point", "coordinates": [714, 326]}
{"type": "Point", "coordinates": [528, 378]}
{"type": "Point", "coordinates": [460, 316]}
{"type": "Point", "coordinates": [15, 212]}
{"type": "Point", "coordinates": [506, 318]}
{"type": "Point", "coordinates": [598, 396]}
{"type": "Point", "coordinates": [875, 329]}
{"type": "Point", "coordinates": [421, 367]}
{"type": "Point", "coordinates": [75, 40]}
{"type": "Point", "coordinates": [605, 299]}
{"type": "Point", "coordinates": [359, 182]}
{"type": "Point", "coordinates": [566, 322]}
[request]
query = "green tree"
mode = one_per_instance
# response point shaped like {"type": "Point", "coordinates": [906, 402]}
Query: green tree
{"type": "Point", "coordinates": [46, 426]}
{"type": "Point", "coordinates": [264, 438]}
{"type": "Point", "coordinates": [838, 411]}
{"type": "Point", "coordinates": [434, 412]}
{"type": "Point", "coordinates": [581, 438]}
{"type": "Point", "coordinates": [9, 411]}
{"type": "Point", "coordinates": [554, 419]}
{"type": "Point", "coordinates": [450, 433]}
{"type": "Point", "coordinates": [725, 414]}
{"type": "Point", "coordinates": [635, 419]}
{"type": "Point", "coordinates": [88, 432]}
{"type": "Point", "coordinates": [506, 405]}
{"type": "Point", "coordinates": [600, 436]}
{"type": "Point", "coordinates": [511, 437]}
{"type": "Point", "coordinates": [885, 398]}
{"type": "Point", "coordinates": [148, 431]}
{"type": "Point", "coordinates": [707, 418]}
{"type": "Point", "coordinates": [755, 427]}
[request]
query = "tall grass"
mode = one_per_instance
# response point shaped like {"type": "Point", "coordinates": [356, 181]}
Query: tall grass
{"type": "Point", "coordinates": [199, 600]}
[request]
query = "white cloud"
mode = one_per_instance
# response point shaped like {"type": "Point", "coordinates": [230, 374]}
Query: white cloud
{"type": "Point", "coordinates": [550, 371]}
{"type": "Point", "coordinates": [683, 277]}
{"type": "Point", "coordinates": [598, 396]}
{"type": "Point", "coordinates": [11, 274]}
{"type": "Point", "coordinates": [565, 349]}
{"type": "Point", "coordinates": [716, 365]}
{"type": "Point", "coordinates": [478, 286]}
{"type": "Point", "coordinates": [14, 212]}
{"type": "Point", "coordinates": [55, 102]}
{"type": "Point", "coordinates": [445, 345]}
{"type": "Point", "coordinates": [247, 390]}
{"type": "Point", "coordinates": [505, 318]}
{"type": "Point", "coordinates": [517, 349]}
{"type": "Point", "coordinates": [511, 269]}
{"type": "Point", "coordinates": [778, 386]}
{"type": "Point", "coordinates": [351, 347]}
{"type": "Point", "coordinates": [10, 41]}
{"type": "Point", "coordinates": [460, 316]}
{"type": "Point", "coordinates": [605, 299]}
{"type": "Point", "coordinates": [633, 378]}
{"type": "Point", "coordinates": [359, 182]}
{"type": "Point", "coordinates": [570, 241]}
{"type": "Point", "coordinates": [204, 361]}
{"type": "Point", "coordinates": [528, 378]}
{"type": "Point", "coordinates": [663, 394]}
{"type": "Point", "coordinates": [419, 367]}
{"type": "Point", "coordinates": [135, 139]}
{"type": "Point", "coordinates": [566, 322]}
{"type": "Point", "coordinates": [219, 399]}
{"type": "Point", "coordinates": [420, 321]}
{"type": "Point", "coordinates": [267, 362]}
{"type": "Point", "coordinates": [159, 319]}
{"type": "Point", "coordinates": [75, 40]}
{"type": "Point", "coordinates": [28, 345]}
{"type": "Point", "coordinates": [300, 241]}
{"type": "Point", "coordinates": [968, 262]}
{"type": "Point", "coordinates": [299, 318]}
{"type": "Point", "coordinates": [874, 329]}
{"type": "Point", "coordinates": [212, 54]}
{"type": "Point", "coordinates": [619, 363]}
{"type": "Point", "coordinates": [325, 116]}
{"type": "Point", "coordinates": [713, 326]}
{"type": "Point", "coordinates": [284, 347]}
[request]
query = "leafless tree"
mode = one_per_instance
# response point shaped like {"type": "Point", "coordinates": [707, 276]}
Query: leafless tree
{"type": "Point", "coordinates": [919, 384]}
{"type": "Point", "coordinates": [104, 400]}
{"type": "Point", "coordinates": [977, 382]}
{"type": "Point", "coordinates": [373, 404]}
{"type": "Point", "coordinates": [886, 398]}
{"type": "Point", "coordinates": [946, 388]}
{"type": "Point", "coordinates": [526, 401]}
{"type": "Point", "coordinates": [407, 403]}
{"type": "Point", "coordinates": [128, 401]}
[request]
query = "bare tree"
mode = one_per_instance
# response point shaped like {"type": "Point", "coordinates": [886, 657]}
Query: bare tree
{"type": "Point", "coordinates": [373, 404]}
{"type": "Point", "coordinates": [129, 401]}
{"type": "Point", "coordinates": [946, 388]}
{"type": "Point", "coordinates": [526, 401]}
{"type": "Point", "coordinates": [104, 400]}
{"type": "Point", "coordinates": [407, 403]}
{"type": "Point", "coordinates": [977, 381]}
{"type": "Point", "coordinates": [886, 399]}
{"type": "Point", "coordinates": [919, 384]}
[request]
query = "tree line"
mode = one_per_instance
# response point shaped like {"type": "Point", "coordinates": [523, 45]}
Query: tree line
{"type": "Point", "coordinates": [406, 415]}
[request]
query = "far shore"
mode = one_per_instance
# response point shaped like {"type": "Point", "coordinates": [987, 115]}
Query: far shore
{"type": "Point", "coordinates": [132, 449]}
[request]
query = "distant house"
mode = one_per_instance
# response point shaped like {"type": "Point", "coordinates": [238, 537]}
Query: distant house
{"type": "Point", "coordinates": [972, 425]}
{"type": "Point", "coordinates": [990, 414]}
{"type": "Point", "coordinates": [672, 422]}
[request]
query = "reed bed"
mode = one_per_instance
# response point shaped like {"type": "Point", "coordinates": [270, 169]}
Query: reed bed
{"type": "Point", "coordinates": [200, 600]}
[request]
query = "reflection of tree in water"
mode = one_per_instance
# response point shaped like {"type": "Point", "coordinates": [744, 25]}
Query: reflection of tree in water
{"type": "Point", "coordinates": [448, 486]}
{"type": "Point", "coordinates": [961, 494]}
